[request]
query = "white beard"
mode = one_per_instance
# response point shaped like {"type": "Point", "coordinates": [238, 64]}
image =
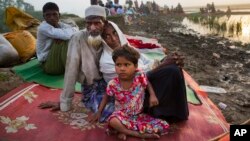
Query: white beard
{"type": "Point", "coordinates": [95, 41]}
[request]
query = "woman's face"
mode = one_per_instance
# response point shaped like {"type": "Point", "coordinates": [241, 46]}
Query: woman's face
{"type": "Point", "coordinates": [111, 37]}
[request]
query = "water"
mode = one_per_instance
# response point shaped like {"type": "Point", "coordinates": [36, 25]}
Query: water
{"type": "Point", "coordinates": [233, 27]}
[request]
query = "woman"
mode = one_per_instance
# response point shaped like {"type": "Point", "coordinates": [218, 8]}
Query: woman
{"type": "Point", "coordinates": [167, 78]}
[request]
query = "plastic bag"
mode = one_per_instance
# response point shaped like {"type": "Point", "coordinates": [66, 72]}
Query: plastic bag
{"type": "Point", "coordinates": [8, 54]}
{"type": "Point", "coordinates": [17, 19]}
{"type": "Point", "coordinates": [24, 42]}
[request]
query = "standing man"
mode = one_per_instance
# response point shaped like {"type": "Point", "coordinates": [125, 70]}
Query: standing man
{"type": "Point", "coordinates": [52, 40]}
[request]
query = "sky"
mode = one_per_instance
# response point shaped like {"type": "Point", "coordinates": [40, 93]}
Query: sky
{"type": "Point", "coordinates": [78, 6]}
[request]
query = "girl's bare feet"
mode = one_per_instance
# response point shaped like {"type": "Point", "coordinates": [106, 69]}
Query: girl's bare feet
{"type": "Point", "coordinates": [111, 131]}
{"type": "Point", "coordinates": [150, 136]}
{"type": "Point", "coordinates": [122, 136]}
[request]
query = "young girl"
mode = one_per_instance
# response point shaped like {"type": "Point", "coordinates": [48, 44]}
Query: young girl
{"type": "Point", "coordinates": [128, 89]}
{"type": "Point", "coordinates": [173, 105]}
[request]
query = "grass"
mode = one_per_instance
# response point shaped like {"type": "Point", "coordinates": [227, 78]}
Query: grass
{"type": "Point", "coordinates": [3, 77]}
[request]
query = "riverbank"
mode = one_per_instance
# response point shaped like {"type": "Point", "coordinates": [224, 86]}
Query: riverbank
{"type": "Point", "coordinates": [211, 60]}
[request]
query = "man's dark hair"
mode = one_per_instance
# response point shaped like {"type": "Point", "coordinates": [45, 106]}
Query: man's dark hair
{"type": "Point", "coordinates": [50, 6]}
{"type": "Point", "coordinates": [127, 52]}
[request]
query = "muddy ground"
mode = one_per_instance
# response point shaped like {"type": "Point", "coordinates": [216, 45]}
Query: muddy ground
{"type": "Point", "coordinates": [211, 60]}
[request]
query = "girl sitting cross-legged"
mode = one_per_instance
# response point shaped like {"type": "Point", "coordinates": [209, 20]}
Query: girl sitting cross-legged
{"type": "Point", "coordinates": [128, 89]}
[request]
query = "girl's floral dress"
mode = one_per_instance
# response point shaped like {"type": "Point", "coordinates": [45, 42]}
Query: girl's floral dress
{"type": "Point", "coordinates": [128, 106]}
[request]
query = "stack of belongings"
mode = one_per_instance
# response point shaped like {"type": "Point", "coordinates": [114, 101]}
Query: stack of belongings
{"type": "Point", "coordinates": [19, 45]}
{"type": "Point", "coordinates": [150, 47]}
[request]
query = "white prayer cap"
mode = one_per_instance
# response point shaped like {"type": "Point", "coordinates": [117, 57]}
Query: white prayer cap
{"type": "Point", "coordinates": [95, 10]}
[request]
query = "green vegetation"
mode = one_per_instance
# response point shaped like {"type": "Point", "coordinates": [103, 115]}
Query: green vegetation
{"type": "Point", "coordinates": [238, 27]}
{"type": "Point", "coordinates": [208, 20]}
{"type": "Point", "coordinates": [223, 26]}
{"type": "Point", "coordinates": [214, 21]}
{"type": "Point", "coordinates": [210, 8]}
{"type": "Point", "coordinates": [3, 76]}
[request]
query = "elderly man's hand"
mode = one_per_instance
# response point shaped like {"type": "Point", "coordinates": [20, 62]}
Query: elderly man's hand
{"type": "Point", "coordinates": [55, 106]}
{"type": "Point", "coordinates": [174, 58]}
{"type": "Point", "coordinates": [179, 59]}
{"type": "Point", "coordinates": [94, 117]}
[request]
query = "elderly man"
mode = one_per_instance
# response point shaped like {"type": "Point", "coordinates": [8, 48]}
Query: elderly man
{"type": "Point", "coordinates": [52, 40]}
{"type": "Point", "coordinates": [84, 51]}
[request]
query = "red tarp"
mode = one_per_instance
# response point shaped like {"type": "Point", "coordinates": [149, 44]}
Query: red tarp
{"type": "Point", "coordinates": [22, 120]}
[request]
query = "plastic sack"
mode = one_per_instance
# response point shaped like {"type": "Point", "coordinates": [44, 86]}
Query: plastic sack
{"type": "Point", "coordinates": [17, 19]}
{"type": "Point", "coordinates": [24, 42]}
{"type": "Point", "coordinates": [8, 54]}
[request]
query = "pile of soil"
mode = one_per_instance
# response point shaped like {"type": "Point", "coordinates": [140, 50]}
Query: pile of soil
{"type": "Point", "coordinates": [211, 61]}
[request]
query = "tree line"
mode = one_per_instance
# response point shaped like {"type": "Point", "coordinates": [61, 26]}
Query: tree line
{"type": "Point", "coordinates": [17, 3]}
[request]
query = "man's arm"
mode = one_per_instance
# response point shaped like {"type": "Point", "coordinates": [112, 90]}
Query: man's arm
{"type": "Point", "coordinates": [174, 58]}
{"type": "Point", "coordinates": [63, 33]}
{"type": "Point", "coordinates": [71, 73]}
